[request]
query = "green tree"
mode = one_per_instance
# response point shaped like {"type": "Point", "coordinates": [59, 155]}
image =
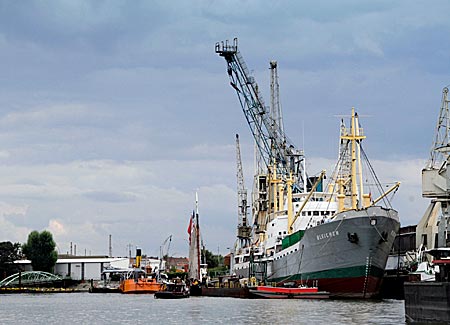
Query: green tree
{"type": "Point", "coordinates": [211, 259]}
{"type": "Point", "coordinates": [9, 253]}
{"type": "Point", "coordinates": [40, 250]}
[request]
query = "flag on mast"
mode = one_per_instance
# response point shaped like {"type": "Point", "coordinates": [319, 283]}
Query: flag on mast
{"type": "Point", "coordinates": [189, 230]}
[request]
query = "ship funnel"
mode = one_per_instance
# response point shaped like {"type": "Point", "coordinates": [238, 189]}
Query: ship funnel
{"type": "Point", "coordinates": [138, 257]}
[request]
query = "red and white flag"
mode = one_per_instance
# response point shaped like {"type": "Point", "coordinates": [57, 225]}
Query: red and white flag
{"type": "Point", "coordinates": [189, 230]}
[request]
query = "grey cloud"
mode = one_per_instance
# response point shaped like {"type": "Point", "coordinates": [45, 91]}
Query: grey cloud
{"type": "Point", "coordinates": [104, 102]}
{"type": "Point", "coordinates": [110, 196]}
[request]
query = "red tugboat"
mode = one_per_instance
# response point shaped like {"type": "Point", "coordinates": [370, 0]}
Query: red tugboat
{"type": "Point", "coordinates": [302, 292]}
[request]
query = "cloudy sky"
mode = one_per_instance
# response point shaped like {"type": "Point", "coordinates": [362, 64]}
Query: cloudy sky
{"type": "Point", "coordinates": [113, 113]}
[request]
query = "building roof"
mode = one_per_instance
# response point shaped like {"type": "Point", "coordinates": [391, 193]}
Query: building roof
{"type": "Point", "coordinates": [85, 259]}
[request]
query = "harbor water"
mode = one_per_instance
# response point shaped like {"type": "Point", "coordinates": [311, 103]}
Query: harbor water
{"type": "Point", "coordinates": [86, 308]}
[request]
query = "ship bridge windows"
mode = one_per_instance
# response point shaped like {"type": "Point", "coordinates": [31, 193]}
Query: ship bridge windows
{"type": "Point", "coordinates": [303, 213]}
{"type": "Point", "coordinates": [315, 213]}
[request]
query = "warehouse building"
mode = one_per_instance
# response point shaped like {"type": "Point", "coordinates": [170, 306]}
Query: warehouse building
{"type": "Point", "coordinates": [82, 267]}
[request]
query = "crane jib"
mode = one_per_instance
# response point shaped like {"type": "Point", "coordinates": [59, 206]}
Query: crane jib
{"type": "Point", "coordinates": [275, 148]}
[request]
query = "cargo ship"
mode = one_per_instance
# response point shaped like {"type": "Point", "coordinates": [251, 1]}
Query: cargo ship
{"type": "Point", "coordinates": [336, 236]}
{"type": "Point", "coordinates": [339, 239]}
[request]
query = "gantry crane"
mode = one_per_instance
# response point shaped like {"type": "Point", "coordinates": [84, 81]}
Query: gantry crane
{"type": "Point", "coordinates": [436, 185]}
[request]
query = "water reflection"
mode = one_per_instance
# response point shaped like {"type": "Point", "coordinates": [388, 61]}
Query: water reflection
{"type": "Point", "coordinates": [85, 308]}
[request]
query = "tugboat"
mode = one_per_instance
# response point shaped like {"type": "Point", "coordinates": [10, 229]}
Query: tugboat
{"type": "Point", "coordinates": [137, 280]}
{"type": "Point", "coordinates": [173, 290]}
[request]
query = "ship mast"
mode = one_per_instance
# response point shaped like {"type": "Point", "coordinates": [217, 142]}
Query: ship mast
{"type": "Point", "coordinates": [194, 243]}
{"type": "Point", "coordinates": [197, 248]}
{"type": "Point", "coordinates": [348, 180]}
{"type": "Point", "coordinates": [354, 136]}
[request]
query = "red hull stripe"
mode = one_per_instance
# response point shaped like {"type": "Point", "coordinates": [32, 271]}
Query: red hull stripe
{"type": "Point", "coordinates": [285, 290]}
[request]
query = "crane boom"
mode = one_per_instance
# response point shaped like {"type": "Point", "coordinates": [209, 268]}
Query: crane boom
{"type": "Point", "coordinates": [436, 175]}
{"type": "Point", "coordinates": [163, 254]}
{"type": "Point", "coordinates": [275, 149]}
{"type": "Point", "coordinates": [275, 106]}
{"type": "Point", "coordinates": [441, 146]}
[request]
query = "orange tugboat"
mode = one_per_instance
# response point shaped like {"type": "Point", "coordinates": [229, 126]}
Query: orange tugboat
{"type": "Point", "coordinates": [138, 281]}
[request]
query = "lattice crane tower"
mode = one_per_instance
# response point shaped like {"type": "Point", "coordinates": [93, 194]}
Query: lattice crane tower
{"type": "Point", "coordinates": [436, 175]}
{"type": "Point", "coordinates": [244, 230]}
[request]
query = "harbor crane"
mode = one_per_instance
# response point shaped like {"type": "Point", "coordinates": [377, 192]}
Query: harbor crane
{"type": "Point", "coordinates": [275, 148]}
{"type": "Point", "coordinates": [275, 107]}
{"type": "Point", "coordinates": [280, 167]}
{"type": "Point", "coordinates": [433, 229]}
{"type": "Point", "coordinates": [244, 230]}
{"type": "Point", "coordinates": [163, 254]}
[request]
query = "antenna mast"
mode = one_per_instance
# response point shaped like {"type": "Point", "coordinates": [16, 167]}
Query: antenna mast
{"type": "Point", "coordinates": [110, 246]}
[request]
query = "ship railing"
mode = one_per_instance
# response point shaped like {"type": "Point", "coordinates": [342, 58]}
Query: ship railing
{"type": "Point", "coordinates": [349, 131]}
{"type": "Point", "coordinates": [226, 47]}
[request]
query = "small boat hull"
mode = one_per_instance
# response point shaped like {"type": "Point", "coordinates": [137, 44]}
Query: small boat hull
{"type": "Point", "coordinates": [195, 290]}
{"type": "Point", "coordinates": [171, 295]}
{"type": "Point", "coordinates": [177, 290]}
{"type": "Point", "coordinates": [141, 285]}
{"type": "Point", "coordinates": [287, 293]}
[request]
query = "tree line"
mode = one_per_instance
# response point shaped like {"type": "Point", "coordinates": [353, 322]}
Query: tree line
{"type": "Point", "coordinates": [39, 249]}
